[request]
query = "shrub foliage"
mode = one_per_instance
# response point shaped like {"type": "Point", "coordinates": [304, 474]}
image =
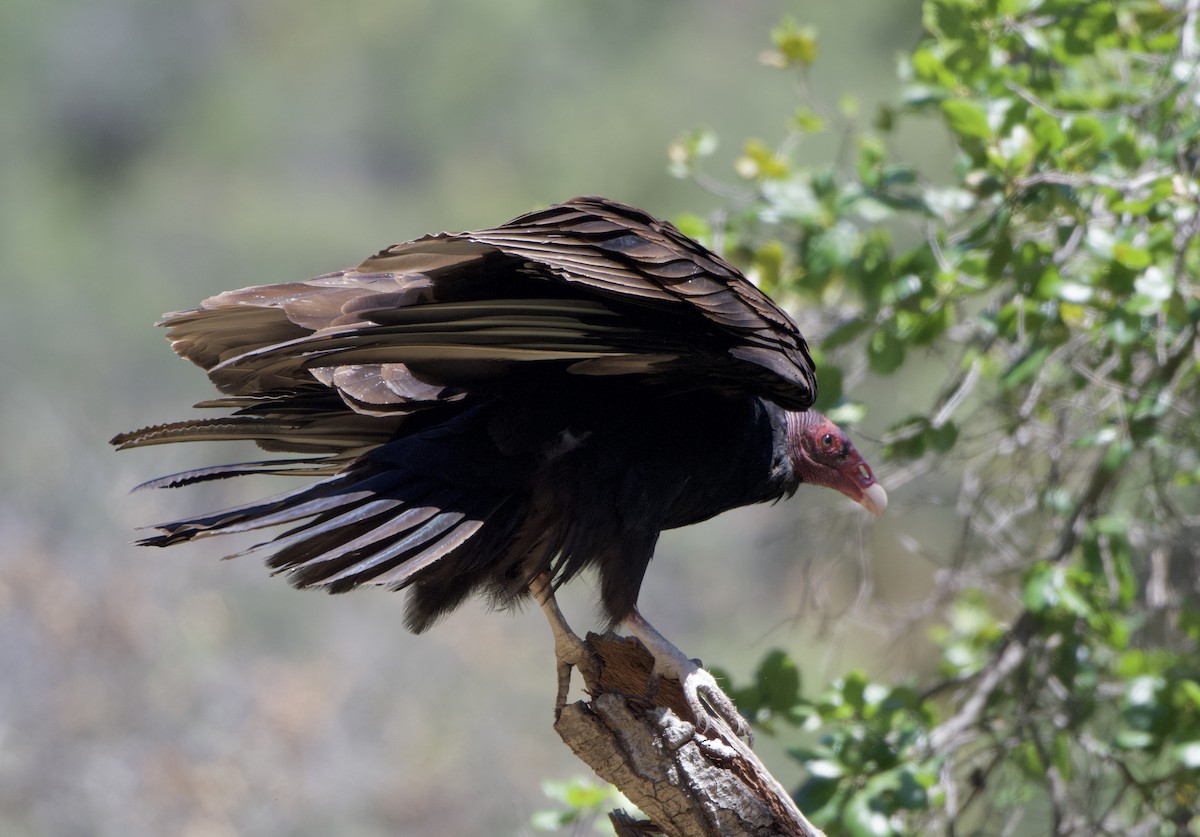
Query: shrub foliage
{"type": "Point", "coordinates": [1046, 282]}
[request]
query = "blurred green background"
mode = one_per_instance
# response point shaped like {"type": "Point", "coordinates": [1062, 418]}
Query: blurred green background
{"type": "Point", "coordinates": [154, 152]}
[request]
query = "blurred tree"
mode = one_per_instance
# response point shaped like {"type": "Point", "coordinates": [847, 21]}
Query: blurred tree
{"type": "Point", "coordinates": [1048, 290]}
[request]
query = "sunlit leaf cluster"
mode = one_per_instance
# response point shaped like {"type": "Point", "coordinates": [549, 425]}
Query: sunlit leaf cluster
{"type": "Point", "coordinates": [1046, 278]}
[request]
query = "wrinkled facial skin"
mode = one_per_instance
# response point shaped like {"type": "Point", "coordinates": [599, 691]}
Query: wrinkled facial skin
{"type": "Point", "coordinates": [823, 454]}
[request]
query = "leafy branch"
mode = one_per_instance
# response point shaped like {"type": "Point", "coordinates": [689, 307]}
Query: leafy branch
{"type": "Point", "coordinates": [1050, 286]}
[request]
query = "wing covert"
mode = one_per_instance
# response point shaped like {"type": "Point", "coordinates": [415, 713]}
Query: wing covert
{"type": "Point", "coordinates": [587, 287]}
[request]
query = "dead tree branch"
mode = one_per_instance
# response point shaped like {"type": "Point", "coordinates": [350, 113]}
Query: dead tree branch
{"type": "Point", "coordinates": [632, 731]}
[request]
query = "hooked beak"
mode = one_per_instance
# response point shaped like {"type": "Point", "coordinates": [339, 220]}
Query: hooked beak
{"type": "Point", "coordinates": [863, 488]}
{"type": "Point", "coordinates": [874, 499]}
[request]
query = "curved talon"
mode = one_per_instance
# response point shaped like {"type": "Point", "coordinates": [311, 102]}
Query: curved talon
{"type": "Point", "coordinates": [695, 682]}
{"type": "Point", "coordinates": [700, 684]}
{"type": "Point", "coordinates": [569, 650]}
{"type": "Point", "coordinates": [701, 692]}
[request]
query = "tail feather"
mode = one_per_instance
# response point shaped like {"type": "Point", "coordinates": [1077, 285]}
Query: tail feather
{"type": "Point", "coordinates": [378, 522]}
{"type": "Point", "coordinates": [341, 529]}
{"type": "Point", "coordinates": [316, 467]}
{"type": "Point", "coordinates": [325, 539]}
{"type": "Point", "coordinates": [281, 508]}
{"type": "Point", "coordinates": [402, 574]}
{"type": "Point", "coordinates": [366, 558]}
{"type": "Point", "coordinates": [383, 549]}
{"type": "Point", "coordinates": [334, 432]}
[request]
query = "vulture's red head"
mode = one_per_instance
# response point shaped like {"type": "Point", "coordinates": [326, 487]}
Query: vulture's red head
{"type": "Point", "coordinates": [823, 454]}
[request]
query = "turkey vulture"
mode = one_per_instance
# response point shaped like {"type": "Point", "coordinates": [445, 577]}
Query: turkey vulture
{"type": "Point", "coordinates": [495, 411]}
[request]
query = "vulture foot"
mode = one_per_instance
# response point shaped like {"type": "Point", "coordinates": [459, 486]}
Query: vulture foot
{"type": "Point", "coordinates": [696, 683]}
{"type": "Point", "coordinates": [569, 650]}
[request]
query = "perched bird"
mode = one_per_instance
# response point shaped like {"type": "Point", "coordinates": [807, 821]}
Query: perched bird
{"type": "Point", "coordinates": [496, 411]}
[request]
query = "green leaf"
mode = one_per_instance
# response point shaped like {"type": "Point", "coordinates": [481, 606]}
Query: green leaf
{"type": "Point", "coordinates": [552, 820]}
{"type": "Point", "coordinates": [943, 438]}
{"type": "Point", "coordinates": [854, 687]}
{"type": "Point", "coordinates": [885, 352]}
{"type": "Point", "coordinates": [847, 413]}
{"type": "Point", "coordinates": [1188, 754]}
{"type": "Point", "coordinates": [579, 792]}
{"type": "Point", "coordinates": [797, 44]}
{"type": "Point", "coordinates": [885, 119]}
{"type": "Point", "coordinates": [908, 438]}
{"type": "Point", "coordinates": [791, 199]}
{"type": "Point", "coordinates": [1134, 258]}
{"type": "Point", "coordinates": [1155, 284]}
{"type": "Point", "coordinates": [823, 768]}
{"type": "Point", "coordinates": [948, 19]}
{"type": "Point", "coordinates": [1026, 368]}
{"type": "Point", "coordinates": [807, 121]}
{"type": "Point", "coordinates": [861, 820]}
{"type": "Point", "coordinates": [899, 175]}
{"type": "Point", "coordinates": [1072, 600]}
{"type": "Point", "coordinates": [1047, 132]}
{"type": "Point", "coordinates": [871, 154]}
{"type": "Point", "coordinates": [927, 65]}
{"type": "Point", "coordinates": [779, 681]}
{"type": "Point", "coordinates": [1190, 689]}
{"type": "Point", "coordinates": [911, 793]}
{"type": "Point", "coordinates": [688, 149]}
{"type": "Point", "coordinates": [967, 119]}
{"type": "Point", "coordinates": [693, 226]}
{"type": "Point", "coordinates": [760, 162]}
{"type": "Point", "coordinates": [1049, 285]}
{"type": "Point", "coordinates": [1027, 757]}
{"type": "Point", "coordinates": [1130, 739]}
{"type": "Point", "coordinates": [1041, 588]}
{"type": "Point", "coordinates": [1062, 756]}
{"type": "Point", "coordinates": [845, 332]}
{"type": "Point", "coordinates": [767, 264]}
{"type": "Point", "coordinates": [1144, 710]}
{"type": "Point", "coordinates": [816, 795]}
{"type": "Point", "coordinates": [947, 203]}
{"type": "Point", "coordinates": [831, 251]}
{"type": "Point", "coordinates": [1110, 524]}
{"type": "Point", "coordinates": [1086, 29]}
{"type": "Point", "coordinates": [829, 392]}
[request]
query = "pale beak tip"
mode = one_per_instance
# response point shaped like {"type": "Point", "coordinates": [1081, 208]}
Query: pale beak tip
{"type": "Point", "coordinates": [874, 499]}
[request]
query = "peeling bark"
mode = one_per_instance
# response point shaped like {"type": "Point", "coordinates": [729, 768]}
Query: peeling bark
{"type": "Point", "coordinates": [636, 732]}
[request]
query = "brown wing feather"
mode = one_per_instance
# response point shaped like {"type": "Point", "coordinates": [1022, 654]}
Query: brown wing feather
{"type": "Point", "coordinates": [593, 286]}
{"type": "Point", "coordinates": [574, 266]}
{"type": "Point", "coordinates": [617, 249]}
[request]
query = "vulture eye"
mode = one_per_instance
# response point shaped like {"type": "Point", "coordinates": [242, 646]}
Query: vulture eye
{"type": "Point", "coordinates": [827, 441]}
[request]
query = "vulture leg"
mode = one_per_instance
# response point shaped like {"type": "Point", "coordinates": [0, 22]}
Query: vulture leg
{"type": "Point", "coordinates": [569, 649]}
{"type": "Point", "coordinates": [669, 661]}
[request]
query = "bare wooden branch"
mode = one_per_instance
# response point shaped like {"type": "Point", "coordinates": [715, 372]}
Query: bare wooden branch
{"type": "Point", "coordinates": [690, 783]}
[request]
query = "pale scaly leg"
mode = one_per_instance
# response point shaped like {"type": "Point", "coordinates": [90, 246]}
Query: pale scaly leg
{"type": "Point", "coordinates": [569, 649]}
{"type": "Point", "coordinates": [669, 661]}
